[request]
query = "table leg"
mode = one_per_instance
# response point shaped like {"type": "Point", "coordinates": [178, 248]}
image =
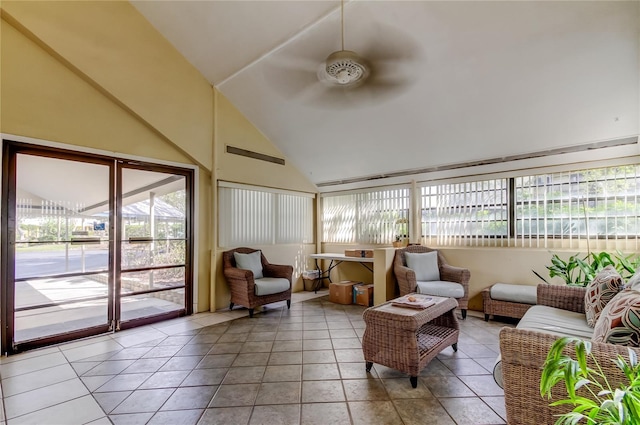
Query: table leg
{"type": "Point", "coordinates": [368, 366]}
{"type": "Point", "coordinates": [414, 381]}
{"type": "Point", "coordinates": [455, 347]}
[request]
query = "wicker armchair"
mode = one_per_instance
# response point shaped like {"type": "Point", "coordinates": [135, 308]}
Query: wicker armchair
{"type": "Point", "coordinates": [524, 352]}
{"type": "Point", "coordinates": [407, 278]}
{"type": "Point", "coordinates": [242, 283]}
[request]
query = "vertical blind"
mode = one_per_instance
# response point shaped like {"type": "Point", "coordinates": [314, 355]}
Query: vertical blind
{"type": "Point", "coordinates": [469, 214]}
{"type": "Point", "coordinates": [370, 217]}
{"type": "Point", "coordinates": [257, 216]}
{"type": "Point", "coordinates": [596, 204]}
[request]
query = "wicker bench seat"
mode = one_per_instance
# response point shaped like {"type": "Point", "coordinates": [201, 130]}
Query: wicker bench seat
{"type": "Point", "coordinates": [508, 300]}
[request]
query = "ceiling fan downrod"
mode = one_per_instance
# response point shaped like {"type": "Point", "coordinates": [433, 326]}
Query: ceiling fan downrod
{"type": "Point", "coordinates": [344, 67]}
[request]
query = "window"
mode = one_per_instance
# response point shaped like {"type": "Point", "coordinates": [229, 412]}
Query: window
{"type": "Point", "coordinates": [598, 203]}
{"type": "Point", "coordinates": [371, 217]}
{"type": "Point", "coordinates": [472, 213]}
{"type": "Point", "coordinates": [259, 216]}
{"type": "Point", "coordinates": [562, 210]}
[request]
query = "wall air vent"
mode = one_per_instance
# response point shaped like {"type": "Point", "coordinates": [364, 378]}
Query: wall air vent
{"type": "Point", "coordinates": [569, 149]}
{"type": "Point", "coordinates": [254, 155]}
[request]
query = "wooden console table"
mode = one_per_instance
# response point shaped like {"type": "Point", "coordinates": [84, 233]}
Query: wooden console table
{"type": "Point", "coordinates": [407, 339]}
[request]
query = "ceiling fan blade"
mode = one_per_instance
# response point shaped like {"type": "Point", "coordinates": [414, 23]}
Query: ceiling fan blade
{"type": "Point", "coordinates": [389, 44]}
{"type": "Point", "coordinates": [289, 78]}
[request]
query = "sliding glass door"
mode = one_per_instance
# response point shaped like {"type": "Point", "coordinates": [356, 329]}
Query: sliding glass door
{"type": "Point", "coordinates": [153, 253]}
{"type": "Point", "coordinates": [90, 244]}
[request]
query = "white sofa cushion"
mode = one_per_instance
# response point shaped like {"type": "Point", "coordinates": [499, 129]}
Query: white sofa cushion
{"type": "Point", "coordinates": [525, 294]}
{"type": "Point", "coordinates": [271, 285]}
{"type": "Point", "coordinates": [556, 321]}
{"type": "Point", "coordinates": [441, 288]}
{"type": "Point", "coordinates": [424, 264]}
{"type": "Point", "coordinates": [549, 320]}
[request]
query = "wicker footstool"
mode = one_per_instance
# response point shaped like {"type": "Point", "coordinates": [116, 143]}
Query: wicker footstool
{"type": "Point", "coordinates": [408, 339]}
{"type": "Point", "coordinates": [508, 300]}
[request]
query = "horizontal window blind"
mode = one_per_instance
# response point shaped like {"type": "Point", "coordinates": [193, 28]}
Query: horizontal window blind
{"type": "Point", "coordinates": [250, 216]}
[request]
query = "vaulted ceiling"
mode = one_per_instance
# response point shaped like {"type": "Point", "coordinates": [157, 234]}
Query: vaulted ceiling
{"type": "Point", "coordinates": [453, 81]}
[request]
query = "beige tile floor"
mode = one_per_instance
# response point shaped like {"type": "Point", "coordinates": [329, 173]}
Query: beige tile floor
{"type": "Point", "coordinates": [297, 366]}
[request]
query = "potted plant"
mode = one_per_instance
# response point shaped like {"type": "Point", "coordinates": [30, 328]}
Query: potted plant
{"type": "Point", "coordinates": [606, 405]}
{"type": "Point", "coordinates": [580, 271]}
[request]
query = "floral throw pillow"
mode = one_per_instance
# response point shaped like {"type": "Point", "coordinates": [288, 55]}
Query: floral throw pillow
{"type": "Point", "coordinates": [619, 322]}
{"type": "Point", "coordinates": [600, 291]}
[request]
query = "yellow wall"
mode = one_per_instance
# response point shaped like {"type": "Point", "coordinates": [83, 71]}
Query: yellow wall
{"type": "Point", "coordinates": [233, 129]}
{"type": "Point", "coordinates": [111, 46]}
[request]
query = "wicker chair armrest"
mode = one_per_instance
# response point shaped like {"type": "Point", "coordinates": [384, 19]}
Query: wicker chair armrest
{"type": "Point", "coordinates": [238, 274]}
{"type": "Point", "coordinates": [486, 293]}
{"type": "Point", "coordinates": [523, 355]}
{"type": "Point", "coordinates": [406, 279]}
{"type": "Point", "coordinates": [278, 270]}
{"type": "Point", "coordinates": [561, 296]}
{"type": "Point", "coordinates": [454, 274]}
{"type": "Point", "coordinates": [240, 278]}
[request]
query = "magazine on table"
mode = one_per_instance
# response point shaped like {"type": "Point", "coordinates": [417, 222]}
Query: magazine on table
{"type": "Point", "coordinates": [414, 301]}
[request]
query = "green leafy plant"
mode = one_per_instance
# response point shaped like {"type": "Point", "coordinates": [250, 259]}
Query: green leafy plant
{"type": "Point", "coordinates": [579, 271]}
{"type": "Point", "coordinates": [605, 405]}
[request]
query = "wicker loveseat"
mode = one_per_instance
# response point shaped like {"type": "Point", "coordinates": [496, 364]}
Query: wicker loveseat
{"type": "Point", "coordinates": [524, 351]}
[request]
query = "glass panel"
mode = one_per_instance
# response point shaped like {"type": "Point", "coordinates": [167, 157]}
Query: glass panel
{"type": "Point", "coordinates": [152, 279]}
{"type": "Point", "coordinates": [69, 316]}
{"type": "Point", "coordinates": [147, 305]}
{"type": "Point", "coordinates": [62, 216]}
{"type": "Point", "coordinates": [144, 254]}
{"type": "Point", "coordinates": [59, 258]}
{"type": "Point", "coordinates": [62, 227]}
{"type": "Point", "coordinates": [154, 205]}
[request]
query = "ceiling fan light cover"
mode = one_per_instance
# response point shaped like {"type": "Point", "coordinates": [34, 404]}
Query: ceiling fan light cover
{"type": "Point", "coordinates": [346, 68]}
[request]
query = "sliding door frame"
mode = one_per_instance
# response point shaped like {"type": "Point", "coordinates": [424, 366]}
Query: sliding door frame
{"type": "Point", "coordinates": [189, 235]}
{"type": "Point", "coordinates": [10, 151]}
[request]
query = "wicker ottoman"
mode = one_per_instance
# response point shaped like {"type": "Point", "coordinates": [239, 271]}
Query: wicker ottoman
{"type": "Point", "coordinates": [505, 299]}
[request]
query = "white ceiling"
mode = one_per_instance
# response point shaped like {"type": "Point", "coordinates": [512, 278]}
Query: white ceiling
{"type": "Point", "coordinates": [480, 80]}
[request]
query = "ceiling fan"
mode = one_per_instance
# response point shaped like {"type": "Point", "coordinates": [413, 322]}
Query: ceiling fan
{"type": "Point", "coordinates": [344, 78]}
{"type": "Point", "coordinates": [343, 68]}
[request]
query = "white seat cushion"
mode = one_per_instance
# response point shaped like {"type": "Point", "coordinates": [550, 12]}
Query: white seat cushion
{"type": "Point", "coordinates": [271, 285]}
{"type": "Point", "coordinates": [441, 288]}
{"type": "Point", "coordinates": [525, 294]}
{"type": "Point", "coordinates": [556, 321]}
{"type": "Point", "coordinates": [549, 320]}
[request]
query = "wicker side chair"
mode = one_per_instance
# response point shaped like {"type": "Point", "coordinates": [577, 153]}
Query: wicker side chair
{"type": "Point", "coordinates": [406, 277]}
{"type": "Point", "coordinates": [243, 285]}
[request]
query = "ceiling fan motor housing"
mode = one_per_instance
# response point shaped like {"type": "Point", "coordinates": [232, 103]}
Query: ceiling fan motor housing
{"type": "Point", "coordinates": [346, 68]}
